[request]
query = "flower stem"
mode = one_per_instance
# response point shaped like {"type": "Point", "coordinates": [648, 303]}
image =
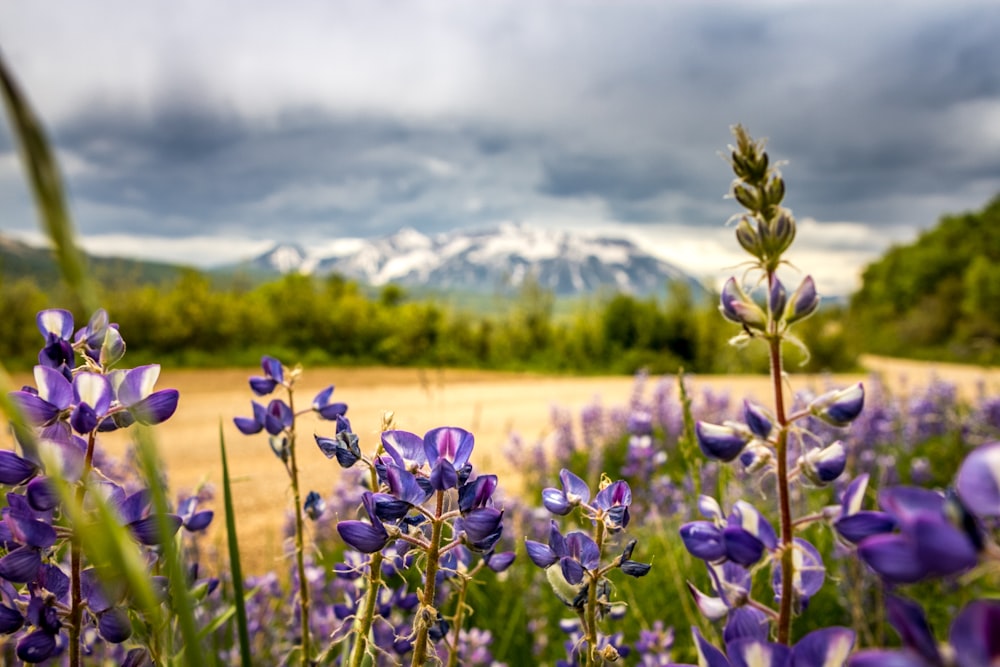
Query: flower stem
{"type": "Point", "coordinates": [75, 620]}
{"type": "Point", "coordinates": [787, 565]}
{"type": "Point", "coordinates": [427, 613]}
{"type": "Point", "coordinates": [364, 622]}
{"type": "Point", "coordinates": [590, 620]}
{"type": "Point", "coordinates": [300, 561]}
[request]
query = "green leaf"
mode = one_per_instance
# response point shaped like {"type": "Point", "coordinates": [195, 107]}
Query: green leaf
{"type": "Point", "coordinates": [235, 567]}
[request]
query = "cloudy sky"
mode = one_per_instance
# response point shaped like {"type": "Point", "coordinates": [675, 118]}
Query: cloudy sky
{"type": "Point", "coordinates": [200, 131]}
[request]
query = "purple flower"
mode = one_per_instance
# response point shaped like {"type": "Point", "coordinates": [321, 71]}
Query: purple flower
{"type": "Point", "coordinates": [575, 554]}
{"type": "Point", "coordinates": [839, 407]}
{"type": "Point", "coordinates": [855, 524]}
{"type": "Point", "coordinates": [803, 302]}
{"type": "Point", "coordinates": [447, 450]}
{"type": "Point", "coordinates": [344, 445]}
{"type": "Point", "coordinates": [972, 637]}
{"type": "Point", "coordinates": [50, 401]}
{"type": "Point", "coordinates": [274, 375]}
{"type": "Point", "coordinates": [723, 443]}
{"type": "Point", "coordinates": [822, 466]}
{"type": "Point", "coordinates": [614, 501]}
{"type": "Point", "coordinates": [574, 492]}
{"type": "Point", "coordinates": [365, 536]}
{"type": "Point", "coordinates": [135, 393]}
{"type": "Point", "coordinates": [737, 307]}
{"type": "Point", "coordinates": [56, 326]}
{"type": "Point", "coordinates": [326, 408]}
{"type": "Point", "coordinates": [15, 470]}
{"type": "Point", "coordinates": [978, 481]}
{"type": "Point", "coordinates": [828, 647]}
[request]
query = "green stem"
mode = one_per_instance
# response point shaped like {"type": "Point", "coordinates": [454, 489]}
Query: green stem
{"type": "Point", "coordinates": [427, 613]}
{"type": "Point", "coordinates": [590, 620]}
{"type": "Point", "coordinates": [75, 620]}
{"type": "Point", "coordinates": [784, 503]}
{"type": "Point", "coordinates": [364, 623]}
{"type": "Point", "coordinates": [300, 560]}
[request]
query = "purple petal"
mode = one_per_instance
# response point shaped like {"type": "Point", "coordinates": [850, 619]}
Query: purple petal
{"type": "Point", "coordinates": [41, 494]}
{"type": "Point", "coordinates": [540, 554]}
{"type": "Point", "coordinates": [404, 447]}
{"type": "Point", "coordinates": [272, 368]}
{"type": "Point", "coordinates": [501, 561]}
{"type": "Point", "coordinates": [752, 521]}
{"type": "Point", "coordinates": [555, 501]}
{"type": "Point", "coordinates": [893, 557]}
{"type": "Point", "coordinates": [35, 409]}
{"type": "Point", "coordinates": [712, 608]}
{"type": "Point", "coordinates": [137, 384]}
{"type": "Point", "coordinates": [905, 502]}
{"type": "Point", "coordinates": [809, 573]}
{"type": "Point", "coordinates": [943, 548]}
{"type": "Point", "coordinates": [828, 647]}
{"type": "Point", "coordinates": [576, 490]}
{"type": "Point", "coordinates": [757, 653]}
{"type": "Point", "coordinates": [746, 623]}
{"type": "Point", "coordinates": [613, 495]}
{"type": "Point", "coordinates": [55, 321]}
{"type": "Point", "coordinates": [975, 634]}
{"type": "Point", "coordinates": [15, 470]}
{"type": "Point", "coordinates": [450, 442]}
{"type": "Point", "coordinates": [858, 526]}
{"type": "Point", "coordinates": [404, 486]}
{"type": "Point", "coordinates": [36, 646]}
{"type": "Point", "coordinates": [94, 390]}
{"type": "Point", "coordinates": [708, 655]}
{"type": "Point", "coordinates": [582, 548]}
{"type": "Point", "coordinates": [978, 480]}
{"type": "Point", "coordinates": [477, 493]}
{"type": "Point", "coordinates": [199, 521]}
{"type": "Point", "coordinates": [719, 442]}
{"type": "Point", "coordinates": [704, 540]}
{"type": "Point", "coordinates": [443, 475]}
{"type": "Point", "coordinates": [481, 523]}
{"type": "Point", "coordinates": [572, 570]}
{"type": "Point", "coordinates": [114, 625]}
{"type": "Point", "coordinates": [156, 408]}
{"type": "Point", "coordinates": [854, 495]}
{"type": "Point", "coordinates": [756, 420]}
{"type": "Point", "coordinates": [741, 546]}
{"type": "Point", "coordinates": [53, 387]}
{"type": "Point", "coordinates": [880, 658]}
{"type": "Point", "coordinates": [20, 565]}
{"type": "Point", "coordinates": [909, 620]}
{"type": "Point", "coordinates": [363, 536]}
{"type": "Point", "coordinates": [262, 386]}
{"type": "Point", "coordinates": [147, 530]}
{"type": "Point", "coordinates": [10, 620]}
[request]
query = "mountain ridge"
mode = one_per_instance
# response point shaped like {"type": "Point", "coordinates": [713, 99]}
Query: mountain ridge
{"type": "Point", "coordinates": [564, 262]}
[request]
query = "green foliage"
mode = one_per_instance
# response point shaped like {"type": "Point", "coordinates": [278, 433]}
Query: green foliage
{"type": "Point", "coordinates": [937, 297]}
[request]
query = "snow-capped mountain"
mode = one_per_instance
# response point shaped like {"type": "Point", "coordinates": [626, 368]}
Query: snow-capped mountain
{"type": "Point", "coordinates": [502, 257]}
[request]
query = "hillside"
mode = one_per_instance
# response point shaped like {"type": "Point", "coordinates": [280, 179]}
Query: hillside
{"type": "Point", "coordinates": [937, 297]}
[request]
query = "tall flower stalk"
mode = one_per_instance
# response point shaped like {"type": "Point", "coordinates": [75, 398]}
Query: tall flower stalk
{"type": "Point", "coordinates": [768, 440]}
{"type": "Point", "coordinates": [278, 419]}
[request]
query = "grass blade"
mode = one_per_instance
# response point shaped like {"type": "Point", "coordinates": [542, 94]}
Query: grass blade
{"type": "Point", "coordinates": [46, 186]}
{"type": "Point", "coordinates": [235, 568]}
{"type": "Point", "coordinates": [181, 603]}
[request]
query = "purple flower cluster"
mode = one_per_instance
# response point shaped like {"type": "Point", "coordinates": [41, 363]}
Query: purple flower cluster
{"type": "Point", "coordinates": [51, 601]}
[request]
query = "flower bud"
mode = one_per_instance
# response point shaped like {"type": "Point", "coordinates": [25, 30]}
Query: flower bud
{"type": "Point", "coordinates": [747, 198]}
{"type": "Point", "coordinates": [737, 307]}
{"type": "Point", "coordinates": [782, 232]}
{"type": "Point", "coordinates": [723, 443]}
{"type": "Point", "coordinates": [777, 298]}
{"type": "Point", "coordinates": [757, 420]}
{"type": "Point", "coordinates": [839, 407]}
{"type": "Point", "coordinates": [822, 466]}
{"type": "Point", "coordinates": [803, 302]}
{"type": "Point", "coordinates": [747, 237]}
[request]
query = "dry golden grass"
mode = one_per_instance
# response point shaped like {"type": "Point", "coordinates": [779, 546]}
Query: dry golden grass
{"type": "Point", "coordinates": [492, 405]}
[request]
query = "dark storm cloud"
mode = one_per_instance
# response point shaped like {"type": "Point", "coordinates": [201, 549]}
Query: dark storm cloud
{"type": "Point", "coordinates": [609, 112]}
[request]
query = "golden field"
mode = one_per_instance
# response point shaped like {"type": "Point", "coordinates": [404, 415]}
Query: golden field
{"type": "Point", "coordinates": [492, 405]}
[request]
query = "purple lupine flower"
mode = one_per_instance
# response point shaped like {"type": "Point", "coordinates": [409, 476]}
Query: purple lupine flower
{"type": "Point", "coordinates": [274, 375]}
{"type": "Point", "coordinates": [104, 603]}
{"type": "Point", "coordinates": [928, 544]}
{"type": "Point", "coordinates": [855, 524]}
{"type": "Point", "coordinates": [365, 536]}
{"type": "Point", "coordinates": [574, 492]}
{"type": "Point", "coordinates": [721, 442]}
{"type": "Point", "coordinates": [757, 419]}
{"type": "Point", "coordinates": [824, 465]}
{"type": "Point", "coordinates": [614, 500]}
{"type": "Point", "coordinates": [777, 297]}
{"type": "Point", "coordinates": [134, 511]}
{"type": "Point", "coordinates": [135, 393]}
{"type": "Point", "coordinates": [803, 302]}
{"type": "Point", "coordinates": [737, 307]}
{"type": "Point", "coordinates": [324, 406]}
{"type": "Point", "coordinates": [839, 407]}
{"type": "Point", "coordinates": [808, 574]}
{"type": "Point", "coordinates": [49, 402]}
{"type": "Point", "coordinates": [40, 644]}
{"type": "Point", "coordinates": [575, 554]}
{"type": "Point", "coordinates": [972, 637]}
{"type": "Point", "coordinates": [978, 481]}
{"type": "Point", "coordinates": [447, 449]}
{"type": "Point", "coordinates": [827, 647]}
{"type": "Point", "coordinates": [192, 519]}
{"type": "Point", "coordinates": [344, 445]}
{"type": "Point", "coordinates": [56, 326]}
{"type": "Point", "coordinates": [92, 395]}
{"type": "Point", "coordinates": [482, 527]}
{"type": "Point", "coordinates": [15, 470]}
